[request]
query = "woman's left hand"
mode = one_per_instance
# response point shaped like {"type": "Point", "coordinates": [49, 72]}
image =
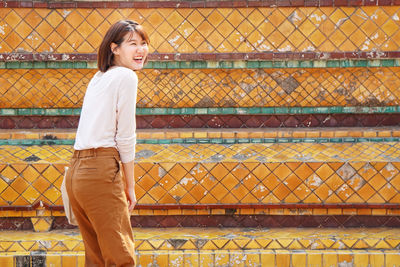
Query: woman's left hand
{"type": "Point", "coordinates": [131, 196]}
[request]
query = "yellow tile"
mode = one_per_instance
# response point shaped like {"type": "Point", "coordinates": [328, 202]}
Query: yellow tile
{"type": "Point", "coordinates": [299, 259]}
{"type": "Point", "coordinates": [69, 260]}
{"type": "Point", "coordinates": [53, 260]}
{"type": "Point", "coordinates": [7, 261]}
{"type": "Point", "coordinates": [145, 259]}
{"type": "Point", "coordinates": [314, 259]}
{"type": "Point", "coordinates": [160, 259]}
{"type": "Point", "coordinates": [206, 259]}
{"type": "Point", "coordinates": [191, 258]}
{"type": "Point", "coordinates": [221, 258]}
{"type": "Point", "coordinates": [377, 259]}
{"type": "Point", "coordinates": [345, 258]}
{"type": "Point", "coordinates": [329, 259]}
{"type": "Point", "coordinates": [267, 258]}
{"type": "Point", "coordinates": [282, 259]}
{"type": "Point", "coordinates": [176, 258]}
{"type": "Point", "coordinates": [361, 259]}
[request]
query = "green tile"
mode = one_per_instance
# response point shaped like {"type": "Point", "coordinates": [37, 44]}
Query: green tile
{"type": "Point", "coordinates": [177, 141]}
{"type": "Point", "coordinates": [182, 65]}
{"type": "Point", "coordinates": [363, 139]}
{"type": "Point", "coordinates": [319, 64]}
{"type": "Point", "coordinates": [140, 141]}
{"type": "Point", "coordinates": [39, 65]}
{"type": "Point", "coordinates": [229, 141]}
{"type": "Point", "coordinates": [282, 140]}
{"type": "Point", "coordinates": [253, 64]}
{"type": "Point", "coordinates": [374, 63]}
{"type": "Point", "coordinates": [336, 109]}
{"type": "Point", "coordinates": [217, 140]}
{"type": "Point", "coordinates": [226, 65]}
{"type": "Point", "coordinates": [228, 111]}
{"type": "Point", "coordinates": [308, 110]}
{"type": "Point", "coordinates": [243, 140]}
{"type": "Point", "coordinates": [203, 141]}
{"type": "Point", "coordinates": [335, 140]}
{"type": "Point", "coordinates": [256, 140]}
{"type": "Point", "coordinates": [282, 110]}
{"type": "Point", "coordinates": [13, 65]}
{"type": "Point", "coordinates": [306, 64]}
{"type": "Point", "coordinates": [322, 110]}
{"type": "Point", "coordinates": [323, 140]}
{"type": "Point", "coordinates": [213, 64]}
{"type": "Point", "coordinates": [292, 64]}
{"type": "Point", "coordinates": [255, 110]}
{"type": "Point", "coordinates": [390, 139]}
{"type": "Point", "coordinates": [239, 64]}
{"type": "Point", "coordinates": [309, 140]}
{"type": "Point", "coordinates": [52, 112]}
{"type": "Point", "coordinates": [333, 64]}
{"type": "Point", "coordinates": [76, 111]}
{"type": "Point", "coordinates": [174, 111]}
{"type": "Point", "coordinates": [80, 65]}
{"type": "Point", "coordinates": [266, 64]}
{"type": "Point", "coordinates": [268, 110]}
{"type": "Point", "coordinates": [2, 65]}
{"type": "Point", "coordinates": [173, 65]}
{"type": "Point", "coordinates": [376, 139]}
{"type": "Point", "coordinates": [391, 109]}
{"type": "Point", "coordinates": [52, 65]}
{"type": "Point", "coordinates": [387, 63]}
{"type": "Point", "coordinates": [164, 141]}
{"type": "Point", "coordinates": [214, 111]}
{"type": "Point", "coordinates": [24, 111]}
{"type": "Point", "coordinates": [295, 110]}
{"type": "Point", "coordinates": [70, 65]}
{"type": "Point", "coordinates": [26, 65]}
{"type": "Point", "coordinates": [279, 64]}
{"type": "Point", "coordinates": [241, 111]}
{"type": "Point", "coordinates": [151, 141]}
{"type": "Point", "coordinates": [159, 65]}
{"type": "Point", "coordinates": [201, 111]}
{"type": "Point", "coordinates": [199, 64]}
{"type": "Point", "coordinates": [349, 140]}
{"type": "Point", "coordinates": [159, 111]}
{"type": "Point", "coordinates": [8, 111]}
{"type": "Point", "coordinates": [362, 63]}
{"type": "Point", "coordinates": [190, 141]}
{"type": "Point", "coordinates": [188, 111]}
{"type": "Point", "coordinates": [38, 111]}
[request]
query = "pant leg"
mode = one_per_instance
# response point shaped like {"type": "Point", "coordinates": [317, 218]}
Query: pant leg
{"type": "Point", "coordinates": [98, 189]}
{"type": "Point", "coordinates": [93, 256]}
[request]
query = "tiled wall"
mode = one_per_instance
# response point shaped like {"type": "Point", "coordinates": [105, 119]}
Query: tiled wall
{"type": "Point", "coordinates": [207, 30]}
{"type": "Point", "coordinates": [185, 88]}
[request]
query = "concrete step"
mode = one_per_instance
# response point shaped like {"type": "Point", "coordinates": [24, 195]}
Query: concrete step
{"type": "Point", "coordinates": [218, 247]}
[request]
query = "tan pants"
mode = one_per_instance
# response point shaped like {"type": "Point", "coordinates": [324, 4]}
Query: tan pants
{"type": "Point", "coordinates": [96, 192]}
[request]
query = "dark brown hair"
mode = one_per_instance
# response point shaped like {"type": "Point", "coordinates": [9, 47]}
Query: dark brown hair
{"type": "Point", "coordinates": [115, 34]}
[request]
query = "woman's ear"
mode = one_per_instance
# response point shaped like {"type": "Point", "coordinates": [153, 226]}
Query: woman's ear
{"type": "Point", "coordinates": [114, 49]}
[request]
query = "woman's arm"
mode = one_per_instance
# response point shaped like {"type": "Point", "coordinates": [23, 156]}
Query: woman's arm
{"type": "Point", "coordinates": [129, 184]}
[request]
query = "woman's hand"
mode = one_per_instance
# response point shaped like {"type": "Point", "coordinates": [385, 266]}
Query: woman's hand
{"type": "Point", "coordinates": [129, 184]}
{"type": "Point", "coordinates": [131, 196]}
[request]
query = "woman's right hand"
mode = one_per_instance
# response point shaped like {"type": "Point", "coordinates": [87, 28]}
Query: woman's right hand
{"type": "Point", "coordinates": [131, 196]}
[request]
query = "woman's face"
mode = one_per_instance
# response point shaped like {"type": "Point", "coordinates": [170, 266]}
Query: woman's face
{"type": "Point", "coordinates": [131, 53]}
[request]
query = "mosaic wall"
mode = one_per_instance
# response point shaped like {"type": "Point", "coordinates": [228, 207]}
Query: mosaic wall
{"type": "Point", "coordinates": [223, 174]}
{"type": "Point", "coordinates": [65, 88]}
{"type": "Point", "coordinates": [206, 30]}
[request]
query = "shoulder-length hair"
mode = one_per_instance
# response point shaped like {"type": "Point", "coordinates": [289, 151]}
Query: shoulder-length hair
{"type": "Point", "coordinates": [116, 34]}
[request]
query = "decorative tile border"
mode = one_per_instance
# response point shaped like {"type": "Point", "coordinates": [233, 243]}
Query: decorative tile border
{"type": "Point", "coordinates": [211, 111]}
{"type": "Point", "coordinates": [198, 4]}
{"type": "Point", "coordinates": [300, 121]}
{"type": "Point", "coordinates": [40, 142]}
{"type": "Point", "coordinates": [167, 57]}
{"type": "Point", "coordinates": [223, 64]}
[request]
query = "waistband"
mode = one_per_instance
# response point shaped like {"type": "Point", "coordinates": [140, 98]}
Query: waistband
{"type": "Point", "coordinates": [97, 152]}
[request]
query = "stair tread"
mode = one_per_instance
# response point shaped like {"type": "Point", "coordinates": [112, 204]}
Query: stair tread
{"type": "Point", "coordinates": [336, 132]}
{"type": "Point", "coordinates": [215, 238]}
{"type": "Point", "coordinates": [214, 153]}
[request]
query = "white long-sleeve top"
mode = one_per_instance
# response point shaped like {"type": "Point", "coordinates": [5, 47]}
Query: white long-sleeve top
{"type": "Point", "coordinates": [108, 113]}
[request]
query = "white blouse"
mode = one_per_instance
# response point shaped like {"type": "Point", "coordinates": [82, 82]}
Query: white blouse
{"type": "Point", "coordinates": [108, 113]}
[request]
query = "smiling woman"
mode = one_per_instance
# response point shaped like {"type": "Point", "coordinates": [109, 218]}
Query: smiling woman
{"type": "Point", "coordinates": [101, 198]}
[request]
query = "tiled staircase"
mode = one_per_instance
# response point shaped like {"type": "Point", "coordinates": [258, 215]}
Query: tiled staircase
{"type": "Point", "coordinates": [268, 131]}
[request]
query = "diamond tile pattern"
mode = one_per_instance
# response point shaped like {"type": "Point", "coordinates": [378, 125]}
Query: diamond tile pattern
{"type": "Point", "coordinates": [223, 174]}
{"type": "Point", "coordinates": [65, 88]}
{"type": "Point", "coordinates": [147, 239]}
{"type": "Point", "coordinates": [207, 30]}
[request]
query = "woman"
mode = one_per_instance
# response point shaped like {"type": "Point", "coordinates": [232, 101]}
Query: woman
{"type": "Point", "coordinates": [100, 197]}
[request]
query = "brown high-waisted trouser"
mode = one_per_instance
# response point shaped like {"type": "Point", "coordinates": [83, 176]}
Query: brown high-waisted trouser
{"type": "Point", "coordinates": [96, 191]}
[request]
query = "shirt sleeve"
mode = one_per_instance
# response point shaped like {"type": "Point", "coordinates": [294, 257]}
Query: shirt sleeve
{"type": "Point", "coordinates": [126, 116]}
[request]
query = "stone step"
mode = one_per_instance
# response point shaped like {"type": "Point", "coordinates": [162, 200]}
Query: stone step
{"type": "Point", "coordinates": [218, 247]}
{"type": "Point", "coordinates": [182, 135]}
{"type": "Point", "coordinates": [224, 178]}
